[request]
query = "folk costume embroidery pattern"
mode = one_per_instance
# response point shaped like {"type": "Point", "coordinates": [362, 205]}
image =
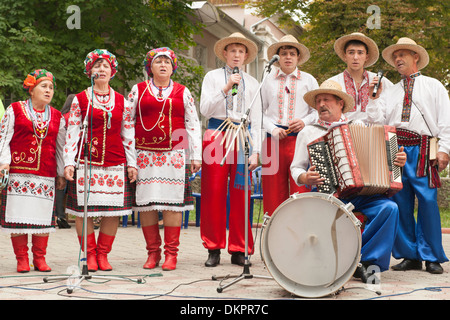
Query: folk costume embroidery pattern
{"type": "Point", "coordinates": [102, 141]}
{"type": "Point", "coordinates": [39, 123]}
{"type": "Point", "coordinates": [106, 185]}
{"type": "Point", "coordinates": [20, 184]}
{"type": "Point", "coordinates": [142, 142]}
{"type": "Point", "coordinates": [27, 193]}
{"type": "Point", "coordinates": [239, 98]}
{"type": "Point", "coordinates": [408, 85]}
{"type": "Point", "coordinates": [361, 95]}
{"type": "Point", "coordinates": [291, 91]}
{"type": "Point", "coordinates": [34, 156]}
{"type": "Point", "coordinates": [161, 183]}
{"type": "Point", "coordinates": [161, 177]}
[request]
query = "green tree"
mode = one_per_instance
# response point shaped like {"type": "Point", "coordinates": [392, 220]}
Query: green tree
{"type": "Point", "coordinates": [40, 34]}
{"type": "Point", "coordinates": [324, 21]}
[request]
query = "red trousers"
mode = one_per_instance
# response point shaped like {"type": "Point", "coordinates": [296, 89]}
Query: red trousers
{"type": "Point", "coordinates": [277, 181]}
{"type": "Point", "coordinates": [214, 187]}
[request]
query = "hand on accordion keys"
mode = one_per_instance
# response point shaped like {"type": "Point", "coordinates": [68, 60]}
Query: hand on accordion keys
{"type": "Point", "coordinates": [311, 177]}
{"type": "Point", "coordinates": [400, 158]}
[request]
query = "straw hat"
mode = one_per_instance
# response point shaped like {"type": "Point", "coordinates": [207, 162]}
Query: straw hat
{"type": "Point", "coordinates": [252, 48]}
{"type": "Point", "coordinates": [331, 87]}
{"type": "Point", "coordinates": [373, 53]}
{"type": "Point", "coordinates": [289, 40]}
{"type": "Point", "coordinates": [409, 44]}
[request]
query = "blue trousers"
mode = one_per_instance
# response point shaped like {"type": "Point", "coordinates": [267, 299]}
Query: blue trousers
{"type": "Point", "coordinates": [380, 230]}
{"type": "Point", "coordinates": [421, 240]}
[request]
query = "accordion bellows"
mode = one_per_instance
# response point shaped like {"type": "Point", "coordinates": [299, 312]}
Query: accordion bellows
{"type": "Point", "coordinates": [357, 159]}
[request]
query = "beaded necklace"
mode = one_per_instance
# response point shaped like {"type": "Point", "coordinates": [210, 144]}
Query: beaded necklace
{"type": "Point", "coordinates": [106, 105]}
{"type": "Point", "coordinates": [159, 97]}
{"type": "Point", "coordinates": [40, 123]}
{"type": "Point", "coordinates": [161, 113]}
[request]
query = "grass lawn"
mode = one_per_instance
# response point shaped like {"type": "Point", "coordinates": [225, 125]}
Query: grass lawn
{"type": "Point", "coordinates": [258, 214]}
{"type": "Point", "coordinates": [445, 217]}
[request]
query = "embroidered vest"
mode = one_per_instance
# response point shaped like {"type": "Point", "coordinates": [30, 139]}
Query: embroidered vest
{"type": "Point", "coordinates": [160, 125]}
{"type": "Point", "coordinates": [105, 144]}
{"type": "Point", "coordinates": [30, 154]}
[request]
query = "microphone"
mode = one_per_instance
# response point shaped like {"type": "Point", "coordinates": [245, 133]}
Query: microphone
{"type": "Point", "coordinates": [274, 59]}
{"type": "Point", "coordinates": [377, 85]}
{"type": "Point", "coordinates": [235, 86]}
{"type": "Point", "coordinates": [95, 75]}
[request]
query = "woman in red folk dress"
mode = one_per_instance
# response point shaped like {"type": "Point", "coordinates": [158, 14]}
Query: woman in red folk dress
{"type": "Point", "coordinates": [111, 159]}
{"type": "Point", "coordinates": [32, 135]}
{"type": "Point", "coordinates": [168, 145]}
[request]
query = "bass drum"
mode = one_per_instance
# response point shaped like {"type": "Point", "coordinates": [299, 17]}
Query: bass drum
{"type": "Point", "coordinates": [311, 245]}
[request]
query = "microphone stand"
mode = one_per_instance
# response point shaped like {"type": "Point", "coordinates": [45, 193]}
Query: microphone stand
{"type": "Point", "coordinates": [246, 272]}
{"type": "Point", "coordinates": [76, 279]}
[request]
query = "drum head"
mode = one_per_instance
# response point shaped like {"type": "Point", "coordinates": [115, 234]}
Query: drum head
{"type": "Point", "coordinates": [311, 244]}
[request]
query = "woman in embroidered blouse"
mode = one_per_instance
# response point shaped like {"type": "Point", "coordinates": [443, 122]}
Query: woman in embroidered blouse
{"type": "Point", "coordinates": [168, 135]}
{"type": "Point", "coordinates": [31, 139]}
{"type": "Point", "coordinates": [111, 160]}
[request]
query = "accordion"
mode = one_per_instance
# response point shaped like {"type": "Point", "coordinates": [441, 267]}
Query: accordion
{"type": "Point", "coordinates": [355, 159]}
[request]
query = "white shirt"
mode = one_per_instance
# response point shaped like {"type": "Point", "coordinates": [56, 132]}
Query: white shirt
{"type": "Point", "coordinates": [280, 107]}
{"type": "Point", "coordinates": [213, 102]}
{"type": "Point", "coordinates": [360, 114]}
{"type": "Point", "coordinates": [429, 96]}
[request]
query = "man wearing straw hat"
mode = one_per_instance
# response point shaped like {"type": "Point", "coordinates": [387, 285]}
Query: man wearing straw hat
{"type": "Point", "coordinates": [382, 213]}
{"type": "Point", "coordinates": [419, 107]}
{"type": "Point", "coordinates": [358, 52]}
{"type": "Point", "coordinates": [285, 114]}
{"type": "Point", "coordinates": [227, 94]}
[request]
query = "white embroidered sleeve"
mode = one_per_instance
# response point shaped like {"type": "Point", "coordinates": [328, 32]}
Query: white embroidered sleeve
{"type": "Point", "coordinates": [6, 133]}
{"type": "Point", "coordinates": [60, 141]}
{"type": "Point", "coordinates": [193, 127]}
{"type": "Point", "coordinates": [73, 134]}
{"type": "Point", "coordinates": [128, 128]}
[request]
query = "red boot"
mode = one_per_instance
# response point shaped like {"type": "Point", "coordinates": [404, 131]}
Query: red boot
{"type": "Point", "coordinates": [39, 250]}
{"type": "Point", "coordinates": [171, 243]}
{"type": "Point", "coordinates": [104, 245]}
{"type": "Point", "coordinates": [20, 246]}
{"type": "Point", "coordinates": [91, 255]}
{"type": "Point", "coordinates": [153, 240]}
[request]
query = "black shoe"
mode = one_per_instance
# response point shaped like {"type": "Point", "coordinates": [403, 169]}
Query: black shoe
{"type": "Point", "coordinates": [63, 224]}
{"type": "Point", "coordinates": [408, 264]}
{"type": "Point", "coordinates": [360, 272]}
{"type": "Point", "coordinates": [213, 258]}
{"type": "Point", "coordinates": [433, 267]}
{"type": "Point", "coordinates": [366, 276]}
{"type": "Point", "coordinates": [238, 258]}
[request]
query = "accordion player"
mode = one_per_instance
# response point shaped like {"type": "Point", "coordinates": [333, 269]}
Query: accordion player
{"type": "Point", "coordinates": [357, 159]}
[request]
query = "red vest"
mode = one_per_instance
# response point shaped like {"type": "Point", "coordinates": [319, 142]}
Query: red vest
{"type": "Point", "coordinates": [166, 119]}
{"type": "Point", "coordinates": [106, 144]}
{"type": "Point", "coordinates": [30, 154]}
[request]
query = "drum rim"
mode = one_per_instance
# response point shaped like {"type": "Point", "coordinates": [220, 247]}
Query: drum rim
{"type": "Point", "coordinates": [320, 291]}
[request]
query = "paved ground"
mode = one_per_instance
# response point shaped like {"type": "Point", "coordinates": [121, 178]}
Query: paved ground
{"type": "Point", "coordinates": [191, 283]}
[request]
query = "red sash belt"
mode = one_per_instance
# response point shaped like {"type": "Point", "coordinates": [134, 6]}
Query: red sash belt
{"type": "Point", "coordinates": [424, 167]}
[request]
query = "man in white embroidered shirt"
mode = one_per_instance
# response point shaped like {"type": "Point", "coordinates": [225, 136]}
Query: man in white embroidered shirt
{"type": "Point", "coordinates": [358, 52]}
{"type": "Point", "coordinates": [285, 114]}
{"type": "Point", "coordinates": [224, 105]}
{"type": "Point", "coordinates": [419, 107]}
